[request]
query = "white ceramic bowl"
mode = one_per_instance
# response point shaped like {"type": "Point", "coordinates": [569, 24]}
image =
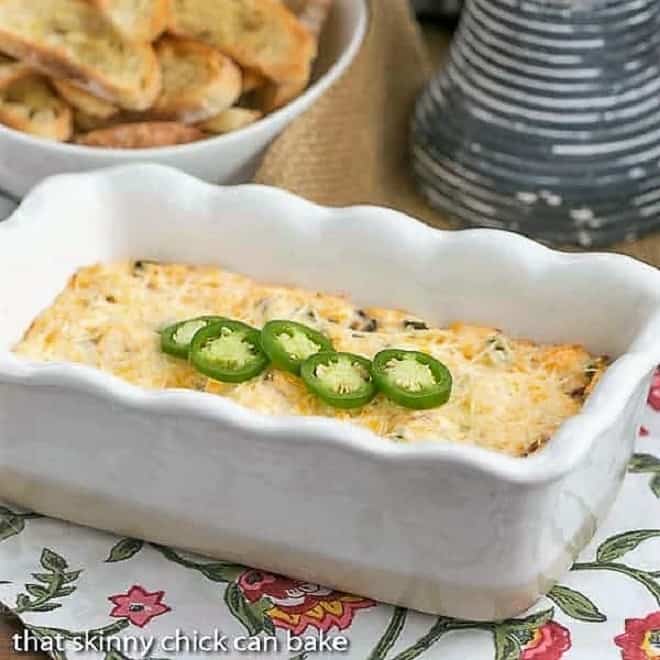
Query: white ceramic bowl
{"type": "Point", "coordinates": [440, 527]}
{"type": "Point", "coordinates": [232, 158]}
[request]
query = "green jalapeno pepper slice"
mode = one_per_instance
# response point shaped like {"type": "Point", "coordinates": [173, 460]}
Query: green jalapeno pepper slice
{"type": "Point", "coordinates": [288, 344]}
{"type": "Point", "coordinates": [341, 380]}
{"type": "Point", "coordinates": [228, 351]}
{"type": "Point", "coordinates": [412, 379]}
{"type": "Point", "coordinates": [175, 339]}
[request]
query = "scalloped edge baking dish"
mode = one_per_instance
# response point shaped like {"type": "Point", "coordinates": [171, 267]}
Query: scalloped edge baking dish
{"type": "Point", "coordinates": [439, 527]}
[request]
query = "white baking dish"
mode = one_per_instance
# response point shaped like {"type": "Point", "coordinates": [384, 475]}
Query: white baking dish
{"type": "Point", "coordinates": [440, 527]}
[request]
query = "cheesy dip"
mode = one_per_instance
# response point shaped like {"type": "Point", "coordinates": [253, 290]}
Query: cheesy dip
{"type": "Point", "coordinates": [509, 395]}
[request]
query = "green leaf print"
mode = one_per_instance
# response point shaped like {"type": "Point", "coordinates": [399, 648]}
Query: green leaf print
{"type": "Point", "coordinates": [647, 580]}
{"type": "Point", "coordinates": [55, 583]}
{"type": "Point", "coordinates": [11, 524]}
{"type": "Point", "coordinates": [252, 615]}
{"type": "Point", "coordinates": [441, 627]}
{"type": "Point", "coordinates": [391, 634]}
{"type": "Point", "coordinates": [124, 549]}
{"type": "Point", "coordinates": [647, 464]}
{"type": "Point", "coordinates": [655, 485]}
{"type": "Point", "coordinates": [52, 561]}
{"type": "Point", "coordinates": [218, 571]}
{"type": "Point", "coordinates": [221, 571]}
{"type": "Point", "coordinates": [507, 646]}
{"type": "Point", "coordinates": [644, 463]}
{"type": "Point", "coordinates": [617, 546]}
{"type": "Point", "coordinates": [575, 605]}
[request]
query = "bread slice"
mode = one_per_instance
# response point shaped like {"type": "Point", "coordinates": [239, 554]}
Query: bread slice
{"type": "Point", "coordinates": [83, 123]}
{"type": "Point", "coordinates": [11, 69]}
{"type": "Point", "coordinates": [198, 81]}
{"type": "Point", "coordinates": [313, 15]}
{"type": "Point", "coordinates": [71, 39]}
{"type": "Point", "coordinates": [252, 80]}
{"type": "Point", "coordinates": [259, 34]}
{"type": "Point", "coordinates": [29, 104]}
{"type": "Point", "coordinates": [230, 120]}
{"type": "Point", "coordinates": [136, 20]}
{"type": "Point", "coordinates": [142, 135]}
{"type": "Point", "coordinates": [81, 100]}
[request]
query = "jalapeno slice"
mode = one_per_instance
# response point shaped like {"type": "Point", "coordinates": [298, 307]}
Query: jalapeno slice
{"type": "Point", "coordinates": [288, 344]}
{"type": "Point", "coordinates": [342, 380]}
{"type": "Point", "coordinates": [229, 351]}
{"type": "Point", "coordinates": [175, 339]}
{"type": "Point", "coordinates": [412, 379]}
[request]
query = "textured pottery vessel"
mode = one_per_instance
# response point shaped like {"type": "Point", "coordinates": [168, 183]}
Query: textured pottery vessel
{"type": "Point", "coordinates": [546, 120]}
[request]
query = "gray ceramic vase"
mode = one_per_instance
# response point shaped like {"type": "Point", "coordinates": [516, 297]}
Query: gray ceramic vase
{"type": "Point", "coordinates": [546, 120]}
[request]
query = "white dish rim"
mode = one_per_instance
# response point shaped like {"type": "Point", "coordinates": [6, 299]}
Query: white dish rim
{"type": "Point", "coordinates": [558, 458]}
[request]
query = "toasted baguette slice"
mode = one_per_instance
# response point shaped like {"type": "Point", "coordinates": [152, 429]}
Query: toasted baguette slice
{"type": "Point", "coordinates": [230, 120]}
{"type": "Point", "coordinates": [273, 96]}
{"type": "Point", "coordinates": [259, 34]}
{"type": "Point", "coordinates": [136, 20]}
{"type": "Point", "coordinates": [83, 123]}
{"type": "Point", "coordinates": [252, 80]}
{"type": "Point", "coordinates": [198, 81]}
{"type": "Point", "coordinates": [81, 100]}
{"type": "Point", "coordinates": [29, 104]}
{"type": "Point", "coordinates": [313, 15]}
{"type": "Point", "coordinates": [11, 69]}
{"type": "Point", "coordinates": [143, 135]}
{"type": "Point", "coordinates": [71, 39]}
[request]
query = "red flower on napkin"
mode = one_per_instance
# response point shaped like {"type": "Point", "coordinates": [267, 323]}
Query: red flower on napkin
{"type": "Point", "coordinates": [641, 641]}
{"type": "Point", "coordinates": [138, 605]}
{"type": "Point", "coordinates": [297, 605]}
{"type": "Point", "coordinates": [654, 394]}
{"type": "Point", "coordinates": [550, 642]}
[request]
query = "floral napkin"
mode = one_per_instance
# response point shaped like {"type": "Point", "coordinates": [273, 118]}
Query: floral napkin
{"type": "Point", "coordinates": [86, 594]}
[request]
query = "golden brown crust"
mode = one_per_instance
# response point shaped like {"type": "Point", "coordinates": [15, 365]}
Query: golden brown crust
{"type": "Point", "coordinates": [274, 96]}
{"type": "Point", "coordinates": [137, 20]}
{"type": "Point", "coordinates": [70, 39]}
{"type": "Point", "coordinates": [30, 105]}
{"type": "Point", "coordinates": [11, 70]}
{"type": "Point", "coordinates": [259, 34]}
{"type": "Point", "coordinates": [81, 100]}
{"type": "Point", "coordinates": [142, 135]}
{"type": "Point", "coordinates": [252, 80]}
{"type": "Point", "coordinates": [312, 14]}
{"type": "Point", "coordinates": [230, 120]}
{"type": "Point", "coordinates": [198, 81]}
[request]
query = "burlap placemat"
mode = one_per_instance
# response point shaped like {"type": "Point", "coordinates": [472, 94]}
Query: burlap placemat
{"type": "Point", "coordinates": [351, 147]}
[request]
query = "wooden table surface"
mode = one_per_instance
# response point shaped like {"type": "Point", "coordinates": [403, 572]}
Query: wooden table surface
{"type": "Point", "coordinates": [8, 628]}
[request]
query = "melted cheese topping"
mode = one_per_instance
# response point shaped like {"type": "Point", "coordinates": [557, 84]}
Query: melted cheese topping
{"type": "Point", "coordinates": [509, 395]}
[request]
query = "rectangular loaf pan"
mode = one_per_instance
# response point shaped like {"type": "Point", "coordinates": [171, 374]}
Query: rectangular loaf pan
{"type": "Point", "coordinates": [439, 527]}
